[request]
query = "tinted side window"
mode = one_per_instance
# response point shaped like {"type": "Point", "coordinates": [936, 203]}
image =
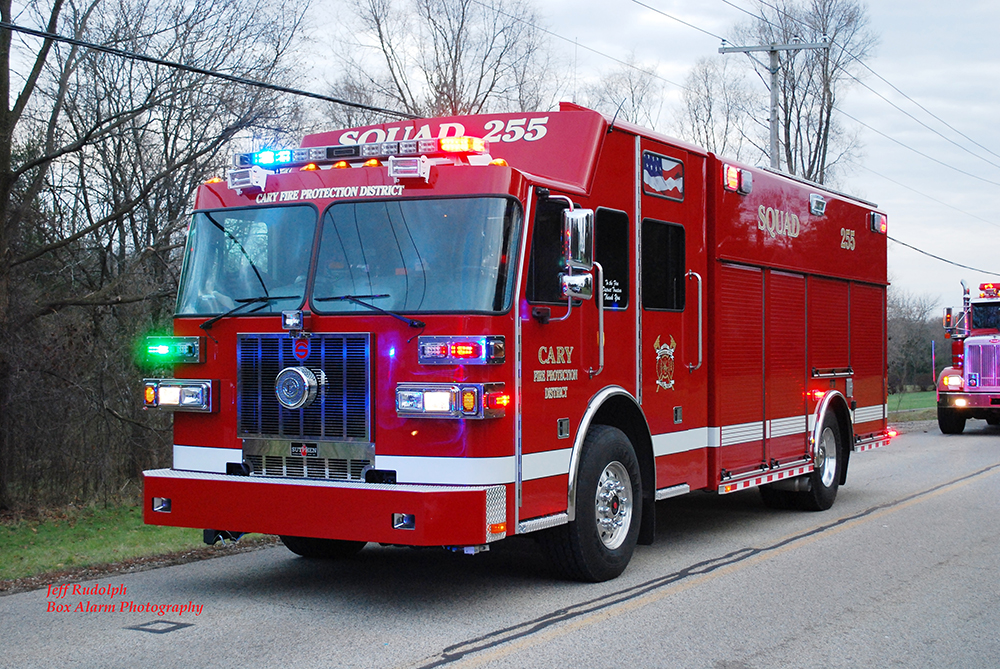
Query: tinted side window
{"type": "Point", "coordinates": [611, 249]}
{"type": "Point", "coordinates": [546, 262]}
{"type": "Point", "coordinates": [662, 265]}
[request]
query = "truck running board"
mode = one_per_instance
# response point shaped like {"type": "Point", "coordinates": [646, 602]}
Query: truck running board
{"type": "Point", "coordinates": [744, 481]}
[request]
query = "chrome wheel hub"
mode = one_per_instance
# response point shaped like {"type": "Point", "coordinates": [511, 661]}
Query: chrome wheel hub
{"type": "Point", "coordinates": [613, 504]}
{"type": "Point", "coordinates": [825, 458]}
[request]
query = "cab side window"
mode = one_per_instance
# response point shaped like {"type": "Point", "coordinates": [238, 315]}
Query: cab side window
{"type": "Point", "coordinates": [611, 249]}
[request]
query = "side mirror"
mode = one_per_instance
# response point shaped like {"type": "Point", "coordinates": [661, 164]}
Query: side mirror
{"type": "Point", "coordinates": [578, 286]}
{"type": "Point", "coordinates": [578, 239]}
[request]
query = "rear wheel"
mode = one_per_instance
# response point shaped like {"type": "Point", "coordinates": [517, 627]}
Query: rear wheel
{"type": "Point", "coordinates": [824, 481]}
{"type": "Point", "coordinates": [322, 548]}
{"type": "Point", "coordinates": [950, 421]}
{"type": "Point", "coordinates": [598, 545]}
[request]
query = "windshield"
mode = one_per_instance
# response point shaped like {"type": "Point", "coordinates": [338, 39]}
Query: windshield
{"type": "Point", "coordinates": [417, 255]}
{"type": "Point", "coordinates": [986, 316]}
{"type": "Point", "coordinates": [236, 255]}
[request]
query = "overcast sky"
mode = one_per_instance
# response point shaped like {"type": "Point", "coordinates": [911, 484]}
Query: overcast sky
{"type": "Point", "coordinates": [940, 54]}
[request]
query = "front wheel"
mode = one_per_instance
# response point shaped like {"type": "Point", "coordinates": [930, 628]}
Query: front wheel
{"type": "Point", "coordinates": [598, 544]}
{"type": "Point", "coordinates": [308, 547]}
{"type": "Point", "coordinates": [950, 421]}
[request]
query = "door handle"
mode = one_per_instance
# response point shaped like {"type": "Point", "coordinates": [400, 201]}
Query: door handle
{"type": "Point", "coordinates": [691, 274]}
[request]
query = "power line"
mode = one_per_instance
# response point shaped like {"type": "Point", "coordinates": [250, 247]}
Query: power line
{"type": "Point", "coordinates": [130, 55]}
{"type": "Point", "coordinates": [681, 21]}
{"type": "Point", "coordinates": [944, 260]}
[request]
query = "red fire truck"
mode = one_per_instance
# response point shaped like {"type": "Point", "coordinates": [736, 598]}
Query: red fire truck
{"type": "Point", "coordinates": [444, 332]}
{"type": "Point", "coordinates": [970, 387]}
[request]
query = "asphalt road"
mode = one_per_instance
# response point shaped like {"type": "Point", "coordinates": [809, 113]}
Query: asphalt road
{"type": "Point", "coordinates": [903, 571]}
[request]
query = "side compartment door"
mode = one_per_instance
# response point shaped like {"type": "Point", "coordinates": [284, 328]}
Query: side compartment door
{"type": "Point", "coordinates": [672, 290]}
{"type": "Point", "coordinates": [785, 367]}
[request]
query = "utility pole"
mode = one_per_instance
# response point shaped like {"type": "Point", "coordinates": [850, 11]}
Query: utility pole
{"type": "Point", "coordinates": [773, 68]}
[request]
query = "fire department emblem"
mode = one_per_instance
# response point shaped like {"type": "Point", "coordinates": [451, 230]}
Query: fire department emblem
{"type": "Point", "coordinates": [664, 364]}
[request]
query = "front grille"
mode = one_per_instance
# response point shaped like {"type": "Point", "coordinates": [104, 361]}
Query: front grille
{"type": "Point", "coordinates": [982, 359]}
{"type": "Point", "coordinates": [341, 410]}
{"type": "Point", "coordinates": [341, 469]}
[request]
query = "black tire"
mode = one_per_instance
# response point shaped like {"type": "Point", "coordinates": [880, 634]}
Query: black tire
{"type": "Point", "coordinates": [330, 549]}
{"type": "Point", "coordinates": [993, 420]}
{"type": "Point", "coordinates": [778, 499]}
{"type": "Point", "coordinates": [824, 481]}
{"type": "Point", "coordinates": [598, 544]}
{"type": "Point", "coordinates": [950, 421]}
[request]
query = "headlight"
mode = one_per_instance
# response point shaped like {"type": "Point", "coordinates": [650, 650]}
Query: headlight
{"type": "Point", "coordinates": [178, 395]}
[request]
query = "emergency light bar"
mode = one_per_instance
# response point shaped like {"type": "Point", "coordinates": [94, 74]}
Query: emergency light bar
{"type": "Point", "coordinates": [988, 290]}
{"type": "Point", "coordinates": [276, 159]}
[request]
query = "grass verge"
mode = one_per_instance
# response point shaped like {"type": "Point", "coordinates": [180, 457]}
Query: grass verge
{"type": "Point", "coordinates": [95, 541]}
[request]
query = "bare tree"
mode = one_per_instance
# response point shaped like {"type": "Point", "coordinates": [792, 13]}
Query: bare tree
{"type": "Point", "coordinates": [99, 156]}
{"type": "Point", "coordinates": [630, 92]}
{"type": "Point", "coordinates": [444, 57]}
{"type": "Point", "coordinates": [718, 110]}
{"type": "Point", "coordinates": [911, 328]}
{"type": "Point", "coordinates": [814, 143]}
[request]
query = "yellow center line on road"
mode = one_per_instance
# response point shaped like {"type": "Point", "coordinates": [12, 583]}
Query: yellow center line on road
{"type": "Point", "coordinates": [473, 657]}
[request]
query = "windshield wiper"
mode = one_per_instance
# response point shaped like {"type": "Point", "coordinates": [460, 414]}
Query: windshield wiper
{"type": "Point", "coordinates": [246, 255]}
{"type": "Point", "coordinates": [356, 299]}
{"type": "Point", "coordinates": [263, 301]}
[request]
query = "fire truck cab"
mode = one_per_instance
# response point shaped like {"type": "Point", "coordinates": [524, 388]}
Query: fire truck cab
{"type": "Point", "coordinates": [444, 332]}
{"type": "Point", "coordinates": [970, 387]}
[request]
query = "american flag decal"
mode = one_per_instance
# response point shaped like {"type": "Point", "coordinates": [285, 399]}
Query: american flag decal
{"type": "Point", "coordinates": [662, 176]}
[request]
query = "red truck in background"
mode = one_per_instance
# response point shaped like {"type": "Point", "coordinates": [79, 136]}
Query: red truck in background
{"type": "Point", "coordinates": [444, 332]}
{"type": "Point", "coordinates": [970, 386]}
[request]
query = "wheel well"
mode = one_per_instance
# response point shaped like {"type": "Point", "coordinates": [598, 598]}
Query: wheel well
{"type": "Point", "coordinates": [621, 411]}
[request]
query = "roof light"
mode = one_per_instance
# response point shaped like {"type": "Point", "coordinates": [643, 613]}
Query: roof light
{"type": "Point", "coordinates": [341, 164]}
{"type": "Point", "coordinates": [372, 162]}
{"type": "Point", "coordinates": [988, 290]}
{"type": "Point", "coordinates": [311, 167]}
{"type": "Point", "coordinates": [215, 180]}
{"type": "Point", "coordinates": [500, 162]}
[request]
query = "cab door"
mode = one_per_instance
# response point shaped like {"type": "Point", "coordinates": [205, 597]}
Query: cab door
{"type": "Point", "coordinates": [671, 270]}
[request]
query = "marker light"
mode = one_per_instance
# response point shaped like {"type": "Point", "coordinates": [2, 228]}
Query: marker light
{"type": "Point", "coordinates": [878, 222]}
{"type": "Point", "coordinates": [737, 180]}
{"type": "Point", "coordinates": [816, 395]}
